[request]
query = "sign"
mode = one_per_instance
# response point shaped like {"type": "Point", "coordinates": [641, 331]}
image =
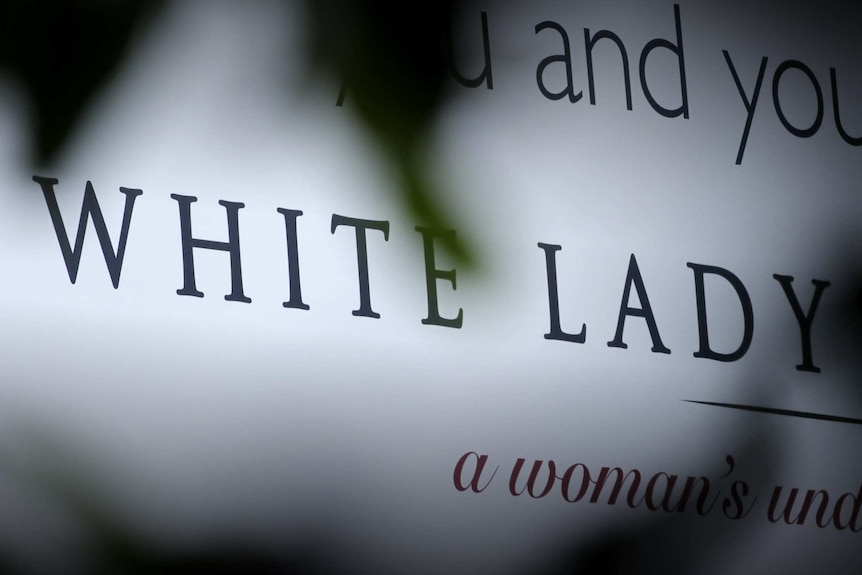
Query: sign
{"type": "Point", "coordinates": [216, 311]}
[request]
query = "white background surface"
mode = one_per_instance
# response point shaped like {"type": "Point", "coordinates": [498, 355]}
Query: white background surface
{"type": "Point", "coordinates": [201, 416]}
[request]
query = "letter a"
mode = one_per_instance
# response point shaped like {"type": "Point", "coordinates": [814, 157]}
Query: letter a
{"type": "Point", "coordinates": [458, 474]}
{"type": "Point", "coordinates": [564, 58]}
{"type": "Point", "coordinates": [633, 278]}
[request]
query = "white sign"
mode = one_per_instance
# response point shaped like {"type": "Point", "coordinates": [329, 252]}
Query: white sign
{"type": "Point", "coordinates": [216, 312]}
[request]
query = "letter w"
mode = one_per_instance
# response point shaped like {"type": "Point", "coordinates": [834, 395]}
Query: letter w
{"type": "Point", "coordinates": [89, 209]}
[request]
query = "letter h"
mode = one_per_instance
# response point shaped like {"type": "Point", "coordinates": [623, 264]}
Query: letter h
{"type": "Point", "coordinates": [231, 246]}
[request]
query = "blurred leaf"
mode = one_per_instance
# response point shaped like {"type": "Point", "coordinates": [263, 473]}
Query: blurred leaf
{"type": "Point", "coordinates": [60, 469]}
{"type": "Point", "coordinates": [62, 52]}
{"type": "Point", "coordinates": [394, 65]}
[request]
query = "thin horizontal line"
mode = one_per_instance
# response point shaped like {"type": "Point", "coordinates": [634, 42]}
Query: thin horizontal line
{"type": "Point", "coordinates": [774, 411]}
